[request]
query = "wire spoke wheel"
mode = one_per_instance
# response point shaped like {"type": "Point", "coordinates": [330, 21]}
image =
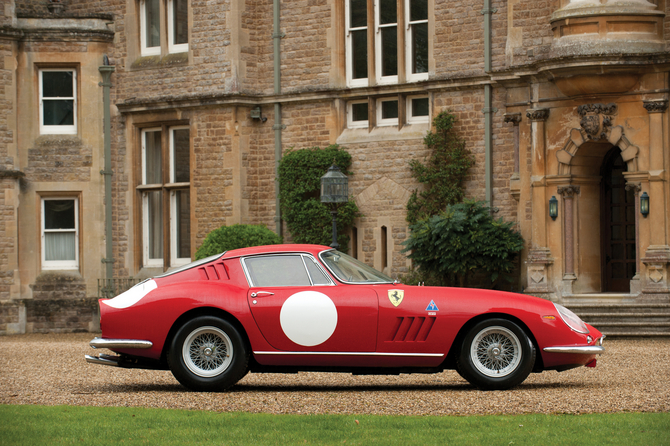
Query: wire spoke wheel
{"type": "Point", "coordinates": [496, 351]}
{"type": "Point", "coordinates": [207, 351]}
{"type": "Point", "coordinates": [496, 354]}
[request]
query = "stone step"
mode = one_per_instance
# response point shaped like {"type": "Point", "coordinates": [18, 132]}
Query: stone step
{"type": "Point", "coordinates": [626, 319]}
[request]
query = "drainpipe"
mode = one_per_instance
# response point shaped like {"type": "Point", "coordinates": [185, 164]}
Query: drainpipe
{"type": "Point", "coordinates": [488, 103]}
{"type": "Point", "coordinates": [106, 71]}
{"type": "Point", "coordinates": [277, 127]}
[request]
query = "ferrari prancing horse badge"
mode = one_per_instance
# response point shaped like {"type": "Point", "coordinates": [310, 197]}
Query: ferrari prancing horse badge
{"type": "Point", "coordinates": [395, 296]}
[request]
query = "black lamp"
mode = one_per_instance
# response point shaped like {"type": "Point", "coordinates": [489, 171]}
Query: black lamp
{"type": "Point", "coordinates": [644, 204]}
{"type": "Point", "coordinates": [553, 207]}
{"type": "Point", "coordinates": [334, 189]}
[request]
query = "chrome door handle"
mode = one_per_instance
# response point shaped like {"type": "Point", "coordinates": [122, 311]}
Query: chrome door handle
{"type": "Point", "coordinates": [258, 293]}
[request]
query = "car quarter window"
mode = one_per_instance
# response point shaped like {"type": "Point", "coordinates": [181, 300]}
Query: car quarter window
{"type": "Point", "coordinates": [318, 276]}
{"type": "Point", "coordinates": [284, 270]}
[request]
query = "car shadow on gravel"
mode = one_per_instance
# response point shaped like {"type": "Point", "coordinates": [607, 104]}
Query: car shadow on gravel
{"type": "Point", "coordinates": [269, 388]}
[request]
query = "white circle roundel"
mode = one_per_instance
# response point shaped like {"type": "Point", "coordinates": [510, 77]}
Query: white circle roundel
{"type": "Point", "coordinates": [308, 318]}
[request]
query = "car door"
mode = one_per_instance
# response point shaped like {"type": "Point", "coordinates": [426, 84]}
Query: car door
{"type": "Point", "coordinates": [299, 308]}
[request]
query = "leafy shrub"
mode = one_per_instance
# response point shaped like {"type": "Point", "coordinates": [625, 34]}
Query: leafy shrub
{"type": "Point", "coordinates": [309, 220]}
{"type": "Point", "coordinates": [226, 238]}
{"type": "Point", "coordinates": [444, 172]}
{"type": "Point", "coordinates": [463, 241]}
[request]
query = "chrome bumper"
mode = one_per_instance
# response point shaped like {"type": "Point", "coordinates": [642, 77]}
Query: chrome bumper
{"type": "Point", "coordinates": [585, 350]}
{"type": "Point", "coordinates": [119, 343]}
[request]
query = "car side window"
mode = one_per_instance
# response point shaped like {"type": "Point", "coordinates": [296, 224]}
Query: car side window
{"type": "Point", "coordinates": [284, 270]}
{"type": "Point", "coordinates": [318, 277]}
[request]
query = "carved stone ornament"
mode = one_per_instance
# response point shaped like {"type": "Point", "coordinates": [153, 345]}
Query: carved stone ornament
{"type": "Point", "coordinates": [568, 191]}
{"type": "Point", "coordinates": [596, 119]}
{"type": "Point", "coordinates": [514, 118]}
{"type": "Point", "coordinates": [537, 114]}
{"type": "Point", "coordinates": [657, 106]}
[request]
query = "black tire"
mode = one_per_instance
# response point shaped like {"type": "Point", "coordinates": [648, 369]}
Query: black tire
{"type": "Point", "coordinates": [208, 354]}
{"type": "Point", "coordinates": [496, 354]}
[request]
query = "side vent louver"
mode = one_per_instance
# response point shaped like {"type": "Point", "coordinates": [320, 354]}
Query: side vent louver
{"type": "Point", "coordinates": [411, 329]}
{"type": "Point", "coordinates": [214, 272]}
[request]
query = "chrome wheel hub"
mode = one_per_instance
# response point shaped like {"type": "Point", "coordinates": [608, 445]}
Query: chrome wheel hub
{"type": "Point", "coordinates": [207, 351]}
{"type": "Point", "coordinates": [495, 351]}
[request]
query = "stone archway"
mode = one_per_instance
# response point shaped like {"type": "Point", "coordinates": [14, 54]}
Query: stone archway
{"type": "Point", "coordinates": [593, 141]}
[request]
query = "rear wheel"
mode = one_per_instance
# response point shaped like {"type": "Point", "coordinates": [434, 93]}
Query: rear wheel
{"type": "Point", "coordinates": [208, 354]}
{"type": "Point", "coordinates": [496, 354]}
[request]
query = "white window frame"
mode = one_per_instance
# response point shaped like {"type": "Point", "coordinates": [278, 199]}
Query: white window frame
{"type": "Point", "coordinates": [174, 218]}
{"type": "Point", "coordinates": [381, 122]}
{"type": "Point", "coordinates": [58, 129]}
{"type": "Point", "coordinates": [411, 119]}
{"type": "Point", "coordinates": [173, 47]}
{"type": "Point", "coordinates": [351, 82]}
{"type": "Point", "coordinates": [145, 50]}
{"type": "Point", "coordinates": [60, 264]}
{"type": "Point", "coordinates": [382, 80]}
{"type": "Point", "coordinates": [413, 77]}
{"type": "Point", "coordinates": [350, 116]}
{"type": "Point", "coordinates": [147, 261]}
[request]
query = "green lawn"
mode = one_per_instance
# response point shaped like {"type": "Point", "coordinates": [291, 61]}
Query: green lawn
{"type": "Point", "coordinates": [64, 425]}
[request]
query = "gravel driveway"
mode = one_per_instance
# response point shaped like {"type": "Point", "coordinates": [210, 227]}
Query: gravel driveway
{"type": "Point", "coordinates": [50, 370]}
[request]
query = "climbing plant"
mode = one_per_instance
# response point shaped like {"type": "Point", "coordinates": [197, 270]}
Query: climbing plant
{"type": "Point", "coordinates": [443, 173]}
{"type": "Point", "coordinates": [307, 219]}
{"type": "Point", "coordinates": [226, 238]}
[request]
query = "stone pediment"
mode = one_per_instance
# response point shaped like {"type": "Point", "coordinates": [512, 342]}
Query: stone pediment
{"type": "Point", "coordinates": [386, 190]}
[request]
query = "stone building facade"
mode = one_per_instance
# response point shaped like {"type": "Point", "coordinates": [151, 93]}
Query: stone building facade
{"type": "Point", "coordinates": [562, 102]}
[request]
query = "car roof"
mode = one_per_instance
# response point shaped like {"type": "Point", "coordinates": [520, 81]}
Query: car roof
{"type": "Point", "coordinates": [273, 249]}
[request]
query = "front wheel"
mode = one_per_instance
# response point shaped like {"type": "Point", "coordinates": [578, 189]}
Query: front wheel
{"type": "Point", "coordinates": [208, 354]}
{"type": "Point", "coordinates": [496, 354]}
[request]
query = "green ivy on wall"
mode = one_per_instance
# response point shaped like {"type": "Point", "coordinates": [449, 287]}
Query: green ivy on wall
{"type": "Point", "coordinates": [307, 219]}
{"type": "Point", "coordinates": [444, 171]}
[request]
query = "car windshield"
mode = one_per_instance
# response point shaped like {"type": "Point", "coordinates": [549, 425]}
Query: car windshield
{"type": "Point", "coordinates": [348, 269]}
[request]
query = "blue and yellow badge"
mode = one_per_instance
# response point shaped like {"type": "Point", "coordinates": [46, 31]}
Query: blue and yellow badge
{"type": "Point", "coordinates": [395, 296]}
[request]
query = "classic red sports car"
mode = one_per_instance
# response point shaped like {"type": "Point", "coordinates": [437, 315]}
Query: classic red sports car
{"type": "Point", "coordinates": [289, 308]}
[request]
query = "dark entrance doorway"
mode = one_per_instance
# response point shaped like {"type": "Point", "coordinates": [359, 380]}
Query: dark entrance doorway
{"type": "Point", "coordinates": [618, 225]}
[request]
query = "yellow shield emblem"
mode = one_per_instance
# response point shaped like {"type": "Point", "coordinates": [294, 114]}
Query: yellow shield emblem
{"type": "Point", "coordinates": [395, 296]}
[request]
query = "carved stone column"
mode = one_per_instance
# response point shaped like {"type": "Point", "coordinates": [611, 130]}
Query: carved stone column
{"type": "Point", "coordinates": [657, 255]}
{"type": "Point", "coordinates": [515, 181]}
{"type": "Point", "coordinates": [539, 255]}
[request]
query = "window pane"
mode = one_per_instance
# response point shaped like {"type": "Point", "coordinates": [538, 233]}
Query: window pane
{"type": "Point", "coordinates": [180, 25]}
{"type": "Point", "coordinates": [59, 246]}
{"type": "Point", "coordinates": [389, 51]}
{"type": "Point", "coordinates": [418, 10]}
{"type": "Point", "coordinates": [420, 107]}
{"type": "Point", "coordinates": [359, 49]}
{"type": "Point", "coordinates": [318, 277]}
{"type": "Point", "coordinates": [59, 214]}
{"type": "Point", "coordinates": [152, 25]}
{"type": "Point", "coordinates": [58, 112]}
{"type": "Point", "coordinates": [359, 111]}
{"type": "Point", "coordinates": [359, 13]}
{"type": "Point", "coordinates": [183, 228]}
{"type": "Point", "coordinates": [153, 157]}
{"type": "Point", "coordinates": [182, 149]}
{"type": "Point", "coordinates": [420, 48]}
{"type": "Point", "coordinates": [155, 221]}
{"type": "Point", "coordinates": [389, 109]}
{"type": "Point", "coordinates": [277, 271]}
{"type": "Point", "coordinates": [388, 12]}
{"type": "Point", "coordinates": [57, 84]}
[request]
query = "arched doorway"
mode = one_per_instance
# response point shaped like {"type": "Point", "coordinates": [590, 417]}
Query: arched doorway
{"type": "Point", "coordinates": [618, 225]}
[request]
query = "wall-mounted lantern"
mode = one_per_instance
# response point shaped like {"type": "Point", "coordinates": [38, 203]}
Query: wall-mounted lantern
{"type": "Point", "coordinates": [644, 204]}
{"type": "Point", "coordinates": [334, 189]}
{"type": "Point", "coordinates": [256, 114]}
{"type": "Point", "coordinates": [553, 207]}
